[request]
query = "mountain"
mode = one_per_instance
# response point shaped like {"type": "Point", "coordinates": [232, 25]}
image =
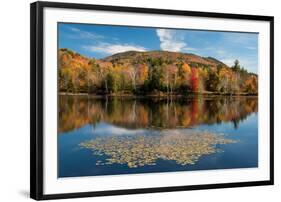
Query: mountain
{"type": "Point", "coordinates": [152, 72]}
{"type": "Point", "coordinates": [135, 56]}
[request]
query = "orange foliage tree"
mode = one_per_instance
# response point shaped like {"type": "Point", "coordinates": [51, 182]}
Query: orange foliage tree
{"type": "Point", "coordinates": [194, 79]}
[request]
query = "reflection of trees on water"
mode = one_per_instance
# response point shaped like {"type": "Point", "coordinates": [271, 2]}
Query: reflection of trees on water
{"type": "Point", "coordinates": [158, 113]}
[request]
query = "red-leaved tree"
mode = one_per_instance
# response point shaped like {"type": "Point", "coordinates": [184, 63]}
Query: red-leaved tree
{"type": "Point", "coordinates": [194, 79]}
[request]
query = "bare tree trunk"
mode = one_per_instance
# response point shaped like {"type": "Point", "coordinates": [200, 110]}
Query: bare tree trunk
{"type": "Point", "coordinates": [133, 75]}
{"type": "Point", "coordinates": [134, 83]}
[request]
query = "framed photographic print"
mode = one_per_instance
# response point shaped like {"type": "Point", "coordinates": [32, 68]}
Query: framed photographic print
{"type": "Point", "coordinates": [135, 100]}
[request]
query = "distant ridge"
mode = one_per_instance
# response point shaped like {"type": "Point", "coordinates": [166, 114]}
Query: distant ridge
{"type": "Point", "coordinates": [166, 55]}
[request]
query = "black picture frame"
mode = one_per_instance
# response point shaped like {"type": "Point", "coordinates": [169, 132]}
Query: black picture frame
{"type": "Point", "coordinates": [37, 99]}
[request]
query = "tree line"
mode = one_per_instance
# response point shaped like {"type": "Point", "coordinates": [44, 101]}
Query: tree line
{"type": "Point", "coordinates": [79, 74]}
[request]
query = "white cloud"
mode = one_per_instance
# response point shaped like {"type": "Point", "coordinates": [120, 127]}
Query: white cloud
{"type": "Point", "coordinates": [113, 48]}
{"type": "Point", "coordinates": [251, 47]}
{"type": "Point", "coordinates": [105, 128]}
{"type": "Point", "coordinates": [170, 40]}
{"type": "Point", "coordinates": [220, 52]}
{"type": "Point", "coordinates": [228, 61]}
{"type": "Point", "coordinates": [78, 33]}
{"type": "Point", "coordinates": [188, 49]}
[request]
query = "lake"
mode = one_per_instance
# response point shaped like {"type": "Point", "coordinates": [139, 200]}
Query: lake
{"type": "Point", "coordinates": [126, 135]}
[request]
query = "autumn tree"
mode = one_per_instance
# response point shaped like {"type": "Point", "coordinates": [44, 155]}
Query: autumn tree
{"type": "Point", "coordinates": [133, 75]}
{"type": "Point", "coordinates": [194, 79]}
{"type": "Point", "coordinates": [142, 73]}
{"type": "Point", "coordinates": [112, 82]}
{"type": "Point", "coordinates": [212, 81]}
{"type": "Point", "coordinates": [184, 73]}
{"type": "Point", "coordinates": [224, 80]}
{"type": "Point", "coordinates": [251, 85]}
{"type": "Point", "coordinates": [102, 70]}
{"type": "Point", "coordinates": [92, 76]}
{"type": "Point", "coordinates": [170, 77]}
{"type": "Point", "coordinates": [202, 77]}
{"type": "Point", "coordinates": [156, 77]}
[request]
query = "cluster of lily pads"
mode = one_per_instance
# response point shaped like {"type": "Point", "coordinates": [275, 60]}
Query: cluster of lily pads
{"type": "Point", "coordinates": [183, 147]}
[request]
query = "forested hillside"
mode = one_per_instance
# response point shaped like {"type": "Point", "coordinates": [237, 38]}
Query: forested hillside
{"type": "Point", "coordinates": [152, 73]}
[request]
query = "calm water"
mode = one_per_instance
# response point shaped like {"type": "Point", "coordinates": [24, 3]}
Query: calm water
{"type": "Point", "coordinates": [99, 136]}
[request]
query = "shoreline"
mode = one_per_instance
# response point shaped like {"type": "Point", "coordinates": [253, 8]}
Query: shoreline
{"type": "Point", "coordinates": [157, 95]}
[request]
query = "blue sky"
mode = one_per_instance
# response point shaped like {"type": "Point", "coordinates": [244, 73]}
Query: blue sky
{"type": "Point", "coordinates": [103, 40]}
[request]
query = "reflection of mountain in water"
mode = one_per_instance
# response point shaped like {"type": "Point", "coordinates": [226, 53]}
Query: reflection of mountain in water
{"type": "Point", "coordinates": [76, 111]}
